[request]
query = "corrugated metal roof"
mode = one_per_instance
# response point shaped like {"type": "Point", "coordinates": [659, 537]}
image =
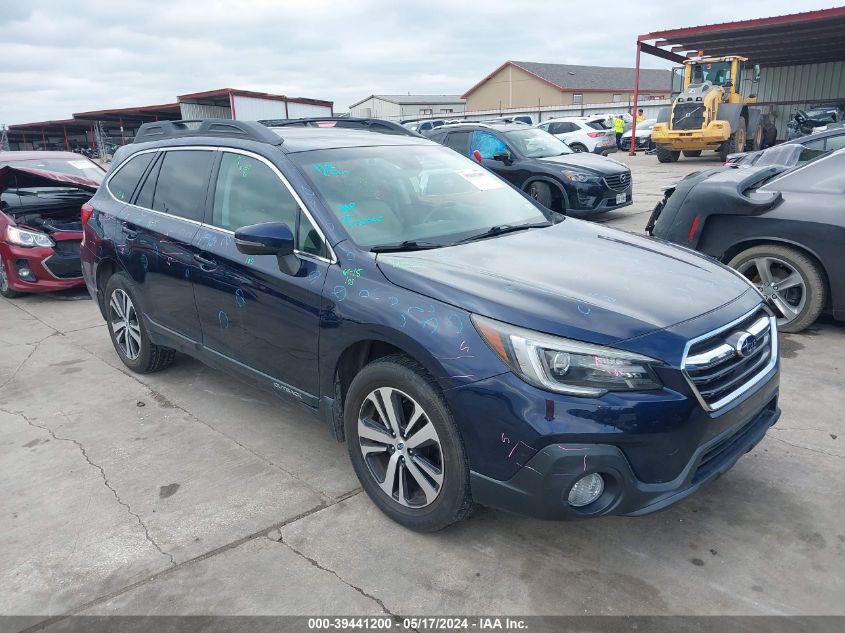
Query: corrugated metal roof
{"type": "Point", "coordinates": [798, 38]}
{"type": "Point", "coordinates": [571, 77]}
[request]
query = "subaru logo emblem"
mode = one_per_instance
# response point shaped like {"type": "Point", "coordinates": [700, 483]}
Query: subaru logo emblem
{"type": "Point", "coordinates": [746, 344]}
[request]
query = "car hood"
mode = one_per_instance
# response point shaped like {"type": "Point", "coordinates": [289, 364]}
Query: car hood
{"type": "Point", "coordinates": [574, 279]}
{"type": "Point", "coordinates": [27, 177]}
{"type": "Point", "coordinates": [585, 161]}
{"type": "Point", "coordinates": [640, 134]}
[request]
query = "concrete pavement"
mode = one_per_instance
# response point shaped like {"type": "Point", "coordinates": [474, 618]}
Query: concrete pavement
{"type": "Point", "coordinates": [190, 492]}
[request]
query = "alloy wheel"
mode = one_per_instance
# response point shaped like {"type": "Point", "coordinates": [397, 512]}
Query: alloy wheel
{"type": "Point", "coordinates": [780, 283]}
{"type": "Point", "coordinates": [4, 280]}
{"type": "Point", "coordinates": [401, 447]}
{"type": "Point", "coordinates": [124, 324]}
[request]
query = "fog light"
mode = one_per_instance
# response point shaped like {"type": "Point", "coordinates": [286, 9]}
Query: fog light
{"type": "Point", "coordinates": [586, 490]}
{"type": "Point", "coordinates": [26, 274]}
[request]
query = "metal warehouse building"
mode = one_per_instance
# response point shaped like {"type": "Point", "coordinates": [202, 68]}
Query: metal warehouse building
{"type": "Point", "coordinates": [802, 56]}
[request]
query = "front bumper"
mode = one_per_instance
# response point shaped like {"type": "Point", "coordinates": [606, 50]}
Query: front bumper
{"type": "Point", "coordinates": [588, 198]}
{"type": "Point", "coordinates": [643, 142]}
{"type": "Point", "coordinates": [652, 450]}
{"type": "Point", "coordinates": [711, 136]}
{"type": "Point", "coordinates": [51, 269]}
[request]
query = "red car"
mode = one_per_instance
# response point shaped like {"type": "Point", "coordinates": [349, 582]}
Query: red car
{"type": "Point", "coordinates": [41, 198]}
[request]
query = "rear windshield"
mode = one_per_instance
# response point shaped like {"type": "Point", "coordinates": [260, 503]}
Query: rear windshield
{"type": "Point", "coordinates": [75, 167]}
{"type": "Point", "coordinates": [597, 125]}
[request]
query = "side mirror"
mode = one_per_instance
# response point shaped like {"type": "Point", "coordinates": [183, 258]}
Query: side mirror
{"type": "Point", "coordinates": [503, 156]}
{"type": "Point", "coordinates": [270, 238]}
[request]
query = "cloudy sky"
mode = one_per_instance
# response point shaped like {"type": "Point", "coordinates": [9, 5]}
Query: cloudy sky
{"type": "Point", "coordinates": [61, 57]}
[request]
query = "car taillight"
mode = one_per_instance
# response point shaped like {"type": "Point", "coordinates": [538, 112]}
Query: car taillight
{"type": "Point", "coordinates": [87, 212]}
{"type": "Point", "coordinates": [693, 228]}
{"type": "Point", "coordinates": [595, 134]}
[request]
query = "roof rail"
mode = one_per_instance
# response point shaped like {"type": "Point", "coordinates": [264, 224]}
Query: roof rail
{"type": "Point", "coordinates": [370, 125]}
{"type": "Point", "coordinates": [228, 128]}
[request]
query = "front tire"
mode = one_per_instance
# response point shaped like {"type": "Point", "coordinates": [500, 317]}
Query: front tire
{"type": "Point", "coordinates": [541, 192]}
{"type": "Point", "coordinates": [5, 290]}
{"type": "Point", "coordinates": [404, 445]}
{"type": "Point", "coordinates": [667, 156]}
{"type": "Point", "coordinates": [577, 147]}
{"type": "Point", "coordinates": [792, 283]}
{"type": "Point", "coordinates": [735, 142]}
{"type": "Point", "coordinates": [127, 330]}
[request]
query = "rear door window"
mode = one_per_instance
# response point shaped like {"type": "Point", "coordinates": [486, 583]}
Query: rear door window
{"type": "Point", "coordinates": [459, 141]}
{"type": "Point", "coordinates": [182, 183]}
{"type": "Point", "coordinates": [122, 185]}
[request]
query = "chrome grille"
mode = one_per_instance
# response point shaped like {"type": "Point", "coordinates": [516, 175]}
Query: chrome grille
{"type": "Point", "coordinates": [724, 364]}
{"type": "Point", "coordinates": [620, 182]}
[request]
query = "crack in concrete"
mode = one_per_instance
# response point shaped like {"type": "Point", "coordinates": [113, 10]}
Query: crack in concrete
{"type": "Point", "coordinates": [808, 448]}
{"type": "Point", "coordinates": [321, 567]}
{"type": "Point", "coordinates": [26, 360]}
{"type": "Point", "coordinates": [262, 533]}
{"type": "Point", "coordinates": [106, 481]}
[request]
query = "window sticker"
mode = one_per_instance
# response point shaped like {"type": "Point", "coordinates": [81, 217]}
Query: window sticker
{"type": "Point", "coordinates": [81, 164]}
{"type": "Point", "coordinates": [481, 180]}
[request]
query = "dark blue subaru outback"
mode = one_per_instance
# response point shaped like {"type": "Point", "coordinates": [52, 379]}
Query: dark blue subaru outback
{"type": "Point", "coordinates": [467, 346]}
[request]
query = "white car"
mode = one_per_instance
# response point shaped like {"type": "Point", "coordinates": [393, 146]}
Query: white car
{"type": "Point", "coordinates": [582, 134]}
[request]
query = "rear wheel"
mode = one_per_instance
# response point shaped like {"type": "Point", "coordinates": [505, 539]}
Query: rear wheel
{"type": "Point", "coordinates": [128, 332]}
{"type": "Point", "coordinates": [541, 192]}
{"type": "Point", "coordinates": [577, 147]}
{"type": "Point", "coordinates": [667, 156]}
{"type": "Point", "coordinates": [791, 282]}
{"type": "Point", "coordinates": [692, 153]}
{"type": "Point", "coordinates": [5, 290]}
{"type": "Point", "coordinates": [735, 142]}
{"type": "Point", "coordinates": [404, 445]}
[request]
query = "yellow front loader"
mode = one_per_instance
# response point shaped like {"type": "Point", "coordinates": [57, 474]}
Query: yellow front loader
{"type": "Point", "coordinates": [711, 113]}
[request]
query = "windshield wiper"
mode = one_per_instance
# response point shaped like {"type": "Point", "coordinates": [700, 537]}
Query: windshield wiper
{"type": "Point", "coordinates": [407, 245]}
{"type": "Point", "coordinates": [501, 229]}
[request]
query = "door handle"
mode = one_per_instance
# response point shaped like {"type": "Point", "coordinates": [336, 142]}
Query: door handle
{"type": "Point", "coordinates": [205, 264]}
{"type": "Point", "coordinates": [130, 233]}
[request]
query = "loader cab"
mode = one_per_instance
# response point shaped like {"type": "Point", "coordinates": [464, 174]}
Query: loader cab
{"type": "Point", "coordinates": [729, 73]}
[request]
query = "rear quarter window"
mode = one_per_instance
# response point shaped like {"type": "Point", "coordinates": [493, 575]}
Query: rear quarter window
{"type": "Point", "coordinates": [122, 185]}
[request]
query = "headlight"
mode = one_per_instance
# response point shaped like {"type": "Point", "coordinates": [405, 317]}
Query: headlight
{"type": "Point", "coordinates": [22, 237]}
{"type": "Point", "coordinates": [567, 366]}
{"type": "Point", "coordinates": [578, 176]}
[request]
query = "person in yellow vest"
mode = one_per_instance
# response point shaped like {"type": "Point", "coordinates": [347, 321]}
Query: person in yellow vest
{"type": "Point", "coordinates": [640, 116]}
{"type": "Point", "coordinates": [619, 128]}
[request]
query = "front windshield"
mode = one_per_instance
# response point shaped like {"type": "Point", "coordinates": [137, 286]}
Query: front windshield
{"type": "Point", "coordinates": [74, 167]}
{"type": "Point", "coordinates": [717, 73]}
{"type": "Point", "coordinates": [422, 193]}
{"type": "Point", "coordinates": [646, 125]}
{"type": "Point", "coordinates": [535, 143]}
